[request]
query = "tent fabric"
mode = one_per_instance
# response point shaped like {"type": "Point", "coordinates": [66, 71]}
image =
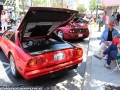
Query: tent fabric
{"type": "Point", "coordinates": [111, 2]}
{"type": "Point", "coordinates": [99, 11]}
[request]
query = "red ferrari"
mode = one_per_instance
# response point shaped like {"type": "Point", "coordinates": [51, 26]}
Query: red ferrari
{"type": "Point", "coordinates": [34, 50]}
{"type": "Point", "coordinates": [73, 30]}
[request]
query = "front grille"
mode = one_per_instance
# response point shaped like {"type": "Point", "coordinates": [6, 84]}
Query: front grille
{"type": "Point", "coordinates": [79, 31]}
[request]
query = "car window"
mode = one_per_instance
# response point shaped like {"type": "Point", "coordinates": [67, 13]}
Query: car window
{"type": "Point", "coordinates": [12, 38]}
{"type": "Point", "coordinates": [8, 33]}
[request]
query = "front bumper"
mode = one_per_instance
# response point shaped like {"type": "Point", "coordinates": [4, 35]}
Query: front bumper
{"type": "Point", "coordinates": [49, 70]}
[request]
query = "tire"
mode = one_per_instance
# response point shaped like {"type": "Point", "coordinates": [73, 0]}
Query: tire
{"type": "Point", "coordinates": [60, 34]}
{"type": "Point", "coordinates": [14, 71]}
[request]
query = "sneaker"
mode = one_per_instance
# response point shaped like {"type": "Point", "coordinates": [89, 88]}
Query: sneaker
{"type": "Point", "coordinates": [107, 66]}
{"type": "Point", "coordinates": [105, 57]}
{"type": "Point", "coordinates": [98, 57]}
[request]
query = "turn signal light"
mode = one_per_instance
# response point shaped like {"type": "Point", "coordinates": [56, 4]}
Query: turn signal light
{"type": "Point", "coordinates": [79, 51]}
{"type": "Point", "coordinates": [32, 62]}
{"type": "Point", "coordinates": [86, 24]}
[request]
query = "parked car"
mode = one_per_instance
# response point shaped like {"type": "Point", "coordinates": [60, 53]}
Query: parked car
{"type": "Point", "coordinates": [74, 30]}
{"type": "Point", "coordinates": [34, 50]}
{"type": "Point", "coordinates": [84, 21]}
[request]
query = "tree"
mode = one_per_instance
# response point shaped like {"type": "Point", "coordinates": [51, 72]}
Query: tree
{"type": "Point", "coordinates": [92, 5]}
{"type": "Point", "coordinates": [56, 5]}
{"type": "Point", "coordinates": [39, 2]}
{"type": "Point", "coordinates": [81, 8]}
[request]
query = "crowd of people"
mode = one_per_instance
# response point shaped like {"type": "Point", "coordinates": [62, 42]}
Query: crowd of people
{"type": "Point", "coordinates": [102, 17]}
{"type": "Point", "coordinates": [108, 50]}
{"type": "Point", "coordinates": [9, 18]}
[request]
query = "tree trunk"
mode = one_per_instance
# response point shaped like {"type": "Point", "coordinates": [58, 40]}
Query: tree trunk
{"type": "Point", "coordinates": [108, 14]}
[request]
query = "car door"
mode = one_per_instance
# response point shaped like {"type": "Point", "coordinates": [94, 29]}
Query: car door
{"type": "Point", "coordinates": [5, 41]}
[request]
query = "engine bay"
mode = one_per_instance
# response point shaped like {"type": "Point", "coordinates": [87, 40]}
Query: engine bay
{"type": "Point", "coordinates": [38, 42]}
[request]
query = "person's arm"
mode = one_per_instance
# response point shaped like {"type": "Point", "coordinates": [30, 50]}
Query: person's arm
{"type": "Point", "coordinates": [2, 17]}
{"type": "Point", "coordinates": [117, 34]}
{"type": "Point", "coordinates": [102, 36]}
{"type": "Point", "coordinates": [7, 18]}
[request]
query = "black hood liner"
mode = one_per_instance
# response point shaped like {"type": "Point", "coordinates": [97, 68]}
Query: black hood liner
{"type": "Point", "coordinates": [46, 16]}
{"type": "Point", "coordinates": [39, 30]}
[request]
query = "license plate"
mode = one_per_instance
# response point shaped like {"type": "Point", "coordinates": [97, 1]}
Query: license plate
{"type": "Point", "coordinates": [59, 56]}
{"type": "Point", "coordinates": [80, 35]}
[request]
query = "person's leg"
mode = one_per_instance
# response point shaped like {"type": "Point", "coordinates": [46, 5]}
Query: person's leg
{"type": "Point", "coordinates": [102, 48]}
{"type": "Point", "coordinates": [2, 28]}
{"type": "Point", "coordinates": [112, 53]}
{"type": "Point", "coordinates": [109, 49]}
{"type": "Point", "coordinates": [11, 22]}
{"type": "Point", "coordinates": [109, 58]}
{"type": "Point", "coordinates": [5, 26]}
{"type": "Point", "coordinates": [106, 56]}
{"type": "Point", "coordinates": [14, 22]}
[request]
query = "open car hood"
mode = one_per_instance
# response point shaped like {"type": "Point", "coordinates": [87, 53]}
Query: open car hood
{"type": "Point", "coordinates": [44, 20]}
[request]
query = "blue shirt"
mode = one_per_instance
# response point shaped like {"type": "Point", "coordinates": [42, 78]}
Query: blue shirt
{"type": "Point", "coordinates": [104, 35]}
{"type": "Point", "coordinates": [112, 18]}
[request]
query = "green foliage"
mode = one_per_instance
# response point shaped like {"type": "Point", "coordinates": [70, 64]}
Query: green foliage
{"type": "Point", "coordinates": [56, 5]}
{"type": "Point", "coordinates": [92, 5]}
{"type": "Point", "coordinates": [81, 8]}
{"type": "Point", "coordinates": [39, 2]}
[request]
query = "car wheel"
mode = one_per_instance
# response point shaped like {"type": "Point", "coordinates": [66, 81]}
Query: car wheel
{"type": "Point", "coordinates": [60, 34]}
{"type": "Point", "coordinates": [13, 67]}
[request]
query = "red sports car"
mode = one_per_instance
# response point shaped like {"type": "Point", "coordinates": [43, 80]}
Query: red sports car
{"type": "Point", "coordinates": [33, 48]}
{"type": "Point", "coordinates": [73, 30]}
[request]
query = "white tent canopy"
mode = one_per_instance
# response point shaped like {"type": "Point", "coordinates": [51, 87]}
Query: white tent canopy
{"type": "Point", "coordinates": [99, 11]}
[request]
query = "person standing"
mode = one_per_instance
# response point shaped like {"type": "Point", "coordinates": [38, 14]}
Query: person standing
{"type": "Point", "coordinates": [12, 19]}
{"type": "Point", "coordinates": [19, 18]}
{"type": "Point", "coordinates": [4, 20]}
{"type": "Point", "coordinates": [118, 18]}
{"type": "Point", "coordinates": [104, 19]}
{"type": "Point", "coordinates": [113, 18]}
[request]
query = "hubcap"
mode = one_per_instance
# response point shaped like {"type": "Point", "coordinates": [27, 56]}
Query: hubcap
{"type": "Point", "coordinates": [12, 65]}
{"type": "Point", "coordinates": [60, 34]}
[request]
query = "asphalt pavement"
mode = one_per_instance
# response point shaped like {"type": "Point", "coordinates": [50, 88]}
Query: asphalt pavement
{"type": "Point", "coordinates": [97, 77]}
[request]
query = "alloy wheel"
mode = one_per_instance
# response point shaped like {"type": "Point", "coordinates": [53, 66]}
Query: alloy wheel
{"type": "Point", "coordinates": [60, 34]}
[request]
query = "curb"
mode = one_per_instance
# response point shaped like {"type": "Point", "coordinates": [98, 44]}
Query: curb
{"type": "Point", "coordinates": [86, 79]}
{"type": "Point", "coordinates": [87, 75]}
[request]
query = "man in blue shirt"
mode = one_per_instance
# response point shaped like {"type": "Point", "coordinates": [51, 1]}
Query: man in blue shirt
{"type": "Point", "coordinates": [107, 36]}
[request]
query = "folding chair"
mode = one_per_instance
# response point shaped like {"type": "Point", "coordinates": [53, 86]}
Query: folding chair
{"type": "Point", "coordinates": [117, 67]}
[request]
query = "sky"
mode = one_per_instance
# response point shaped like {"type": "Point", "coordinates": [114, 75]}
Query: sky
{"type": "Point", "coordinates": [85, 2]}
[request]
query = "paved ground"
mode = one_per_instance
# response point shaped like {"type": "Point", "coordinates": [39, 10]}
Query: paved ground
{"type": "Point", "coordinates": [97, 77]}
